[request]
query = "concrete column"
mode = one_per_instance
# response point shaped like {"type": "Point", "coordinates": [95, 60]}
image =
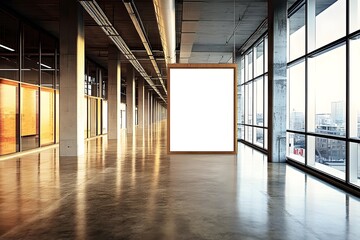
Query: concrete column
{"type": "Point", "coordinates": [114, 92]}
{"type": "Point", "coordinates": [146, 108]}
{"type": "Point", "coordinates": [72, 71]}
{"type": "Point", "coordinates": [154, 107]}
{"type": "Point", "coordinates": [151, 110]}
{"type": "Point", "coordinates": [160, 112]}
{"type": "Point", "coordinates": [130, 99]}
{"type": "Point", "coordinates": [155, 110]}
{"type": "Point", "coordinates": [277, 32]}
{"type": "Point", "coordinates": [141, 96]}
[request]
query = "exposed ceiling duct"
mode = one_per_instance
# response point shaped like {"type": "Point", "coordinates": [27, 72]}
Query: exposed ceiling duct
{"type": "Point", "coordinates": [135, 18]}
{"type": "Point", "coordinates": [165, 16]}
{"type": "Point", "coordinates": [101, 19]}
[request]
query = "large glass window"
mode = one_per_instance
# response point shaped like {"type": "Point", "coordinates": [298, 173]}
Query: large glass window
{"type": "Point", "coordinates": [327, 155]}
{"type": "Point", "coordinates": [324, 27]}
{"type": "Point", "coordinates": [296, 147]}
{"type": "Point", "coordinates": [104, 84]}
{"type": "Point", "coordinates": [241, 115]}
{"type": "Point", "coordinates": [240, 97]}
{"type": "Point", "coordinates": [92, 79]}
{"type": "Point", "coordinates": [95, 90]}
{"type": "Point", "coordinates": [266, 53]}
{"type": "Point", "coordinates": [258, 138]}
{"type": "Point", "coordinates": [252, 90]}
{"type": "Point", "coordinates": [259, 59]}
{"type": "Point", "coordinates": [249, 105]}
{"type": "Point", "coordinates": [249, 66]}
{"type": "Point", "coordinates": [259, 102]}
{"type": "Point", "coordinates": [324, 122]}
{"type": "Point", "coordinates": [239, 107]}
{"type": "Point", "coordinates": [8, 112]}
{"type": "Point", "coordinates": [354, 87]}
{"type": "Point", "coordinates": [296, 97]}
{"type": "Point", "coordinates": [297, 34]}
{"type": "Point", "coordinates": [249, 134]}
{"type": "Point", "coordinates": [355, 163]}
{"type": "Point", "coordinates": [266, 101]}
{"type": "Point", "coordinates": [327, 92]}
{"type": "Point", "coordinates": [242, 70]}
{"type": "Point", "coordinates": [354, 17]}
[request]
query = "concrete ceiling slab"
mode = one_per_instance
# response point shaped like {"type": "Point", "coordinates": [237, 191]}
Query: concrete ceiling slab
{"type": "Point", "coordinates": [220, 25]}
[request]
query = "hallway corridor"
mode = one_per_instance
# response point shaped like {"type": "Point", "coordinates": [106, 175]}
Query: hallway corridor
{"type": "Point", "coordinates": [131, 189]}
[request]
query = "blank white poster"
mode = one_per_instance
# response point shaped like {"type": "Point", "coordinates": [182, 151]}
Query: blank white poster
{"type": "Point", "coordinates": [202, 110]}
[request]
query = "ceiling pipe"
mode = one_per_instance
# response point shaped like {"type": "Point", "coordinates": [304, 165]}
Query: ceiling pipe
{"type": "Point", "coordinates": [95, 11]}
{"type": "Point", "coordinates": [165, 16]}
{"type": "Point", "coordinates": [135, 18]}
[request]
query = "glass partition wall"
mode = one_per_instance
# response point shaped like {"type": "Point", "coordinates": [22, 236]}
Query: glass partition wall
{"type": "Point", "coordinates": [323, 103]}
{"type": "Point", "coordinates": [95, 100]}
{"type": "Point", "coordinates": [29, 88]}
{"type": "Point", "coordinates": [252, 95]}
{"type": "Point", "coordinates": [28, 76]}
{"type": "Point", "coordinates": [323, 83]}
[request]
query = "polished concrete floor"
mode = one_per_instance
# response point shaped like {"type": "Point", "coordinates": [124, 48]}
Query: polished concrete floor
{"type": "Point", "coordinates": [130, 189]}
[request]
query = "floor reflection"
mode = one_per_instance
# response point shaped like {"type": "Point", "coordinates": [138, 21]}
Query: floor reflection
{"type": "Point", "coordinates": [130, 188]}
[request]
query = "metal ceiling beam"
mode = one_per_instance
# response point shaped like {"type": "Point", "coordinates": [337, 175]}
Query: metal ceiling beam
{"type": "Point", "coordinates": [136, 19]}
{"type": "Point", "coordinates": [95, 11]}
{"type": "Point", "coordinates": [165, 16]}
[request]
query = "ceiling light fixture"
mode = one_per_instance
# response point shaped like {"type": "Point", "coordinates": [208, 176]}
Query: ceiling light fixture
{"type": "Point", "coordinates": [101, 19]}
{"type": "Point", "coordinates": [44, 65]}
{"type": "Point", "coordinates": [7, 48]}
